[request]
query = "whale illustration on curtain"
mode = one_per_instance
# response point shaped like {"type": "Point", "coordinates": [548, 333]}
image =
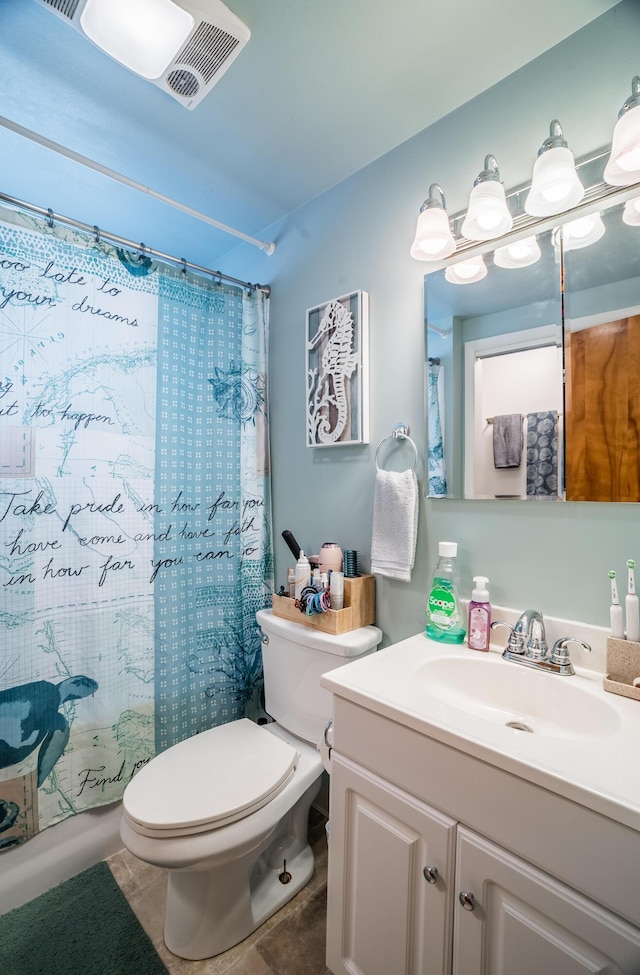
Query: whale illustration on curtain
{"type": "Point", "coordinates": [135, 527]}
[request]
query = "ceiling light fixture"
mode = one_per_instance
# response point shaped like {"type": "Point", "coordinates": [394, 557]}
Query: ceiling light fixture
{"type": "Point", "coordinates": [433, 240]}
{"type": "Point", "coordinates": [623, 167]}
{"type": "Point", "coordinates": [143, 35]}
{"type": "Point", "coordinates": [555, 186]}
{"type": "Point", "coordinates": [467, 272]}
{"type": "Point", "coordinates": [521, 253]}
{"type": "Point", "coordinates": [488, 215]}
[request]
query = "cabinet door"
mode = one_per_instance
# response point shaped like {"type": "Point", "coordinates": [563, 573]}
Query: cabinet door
{"type": "Point", "coordinates": [520, 921]}
{"type": "Point", "coordinates": [385, 915]}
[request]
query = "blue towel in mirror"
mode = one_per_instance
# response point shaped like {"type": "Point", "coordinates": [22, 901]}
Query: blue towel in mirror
{"type": "Point", "coordinates": [542, 453]}
{"type": "Point", "coordinates": [507, 440]}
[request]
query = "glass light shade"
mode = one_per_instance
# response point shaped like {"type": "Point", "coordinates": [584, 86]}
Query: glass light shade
{"type": "Point", "coordinates": [143, 35]}
{"type": "Point", "coordinates": [631, 212]}
{"type": "Point", "coordinates": [623, 166]}
{"type": "Point", "coordinates": [433, 239]}
{"type": "Point", "coordinates": [467, 272]}
{"type": "Point", "coordinates": [521, 253]}
{"type": "Point", "coordinates": [488, 215]}
{"type": "Point", "coordinates": [555, 186]}
{"type": "Point", "coordinates": [582, 232]}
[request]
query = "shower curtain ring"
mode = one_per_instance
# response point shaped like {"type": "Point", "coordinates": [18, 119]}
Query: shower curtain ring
{"type": "Point", "coordinates": [184, 266]}
{"type": "Point", "coordinates": [49, 217]}
{"type": "Point", "coordinates": [96, 231]}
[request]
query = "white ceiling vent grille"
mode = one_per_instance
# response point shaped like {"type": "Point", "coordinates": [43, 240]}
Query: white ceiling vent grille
{"type": "Point", "coordinates": [66, 8]}
{"type": "Point", "coordinates": [217, 38]}
{"type": "Point", "coordinates": [207, 50]}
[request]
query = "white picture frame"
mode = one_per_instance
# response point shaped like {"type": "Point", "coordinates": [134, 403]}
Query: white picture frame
{"type": "Point", "coordinates": [337, 370]}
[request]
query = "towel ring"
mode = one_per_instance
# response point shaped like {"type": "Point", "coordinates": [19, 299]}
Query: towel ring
{"type": "Point", "coordinates": [399, 432]}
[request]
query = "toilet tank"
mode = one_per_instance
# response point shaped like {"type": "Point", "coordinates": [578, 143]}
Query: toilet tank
{"type": "Point", "coordinates": [294, 657]}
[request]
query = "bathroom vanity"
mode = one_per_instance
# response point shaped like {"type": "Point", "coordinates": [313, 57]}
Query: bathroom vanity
{"type": "Point", "coordinates": [485, 818]}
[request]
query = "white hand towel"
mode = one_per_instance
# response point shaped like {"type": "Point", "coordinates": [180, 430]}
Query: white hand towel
{"type": "Point", "coordinates": [395, 524]}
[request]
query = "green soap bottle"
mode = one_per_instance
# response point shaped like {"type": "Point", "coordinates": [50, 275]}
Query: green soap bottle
{"type": "Point", "coordinates": [443, 607]}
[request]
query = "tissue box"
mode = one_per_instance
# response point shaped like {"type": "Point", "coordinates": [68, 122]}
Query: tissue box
{"type": "Point", "coordinates": [623, 665]}
{"type": "Point", "coordinates": [359, 608]}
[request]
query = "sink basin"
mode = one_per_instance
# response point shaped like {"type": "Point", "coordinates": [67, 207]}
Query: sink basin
{"type": "Point", "coordinates": [526, 700]}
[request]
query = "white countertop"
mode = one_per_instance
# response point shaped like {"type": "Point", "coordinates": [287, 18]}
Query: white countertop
{"type": "Point", "coordinates": [598, 767]}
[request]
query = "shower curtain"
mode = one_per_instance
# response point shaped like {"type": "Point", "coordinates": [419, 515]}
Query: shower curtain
{"type": "Point", "coordinates": [135, 526]}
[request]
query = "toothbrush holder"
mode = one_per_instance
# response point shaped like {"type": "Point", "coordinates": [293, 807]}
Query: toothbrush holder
{"type": "Point", "coordinates": [623, 666]}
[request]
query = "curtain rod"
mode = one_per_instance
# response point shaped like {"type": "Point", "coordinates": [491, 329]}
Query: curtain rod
{"type": "Point", "coordinates": [267, 246]}
{"type": "Point", "coordinates": [100, 234]}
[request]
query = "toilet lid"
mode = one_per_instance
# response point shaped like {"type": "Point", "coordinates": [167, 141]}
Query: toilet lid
{"type": "Point", "coordinates": [210, 780]}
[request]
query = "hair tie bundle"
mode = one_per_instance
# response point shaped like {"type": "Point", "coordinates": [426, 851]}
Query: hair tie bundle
{"type": "Point", "coordinates": [312, 602]}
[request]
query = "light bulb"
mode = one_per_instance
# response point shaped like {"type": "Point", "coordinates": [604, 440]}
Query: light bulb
{"type": "Point", "coordinates": [582, 232]}
{"type": "Point", "coordinates": [489, 219]}
{"type": "Point", "coordinates": [467, 272]}
{"type": "Point", "coordinates": [521, 253]}
{"type": "Point", "coordinates": [433, 238]}
{"type": "Point", "coordinates": [555, 185]}
{"type": "Point", "coordinates": [555, 192]}
{"type": "Point", "coordinates": [630, 160]}
{"type": "Point", "coordinates": [631, 212]}
{"type": "Point", "coordinates": [488, 215]}
{"type": "Point", "coordinates": [623, 165]}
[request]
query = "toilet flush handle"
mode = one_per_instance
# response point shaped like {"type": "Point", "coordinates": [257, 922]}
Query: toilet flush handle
{"type": "Point", "coordinates": [328, 741]}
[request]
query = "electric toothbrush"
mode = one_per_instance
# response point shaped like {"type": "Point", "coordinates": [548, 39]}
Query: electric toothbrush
{"type": "Point", "coordinates": [615, 611]}
{"type": "Point", "coordinates": [631, 605]}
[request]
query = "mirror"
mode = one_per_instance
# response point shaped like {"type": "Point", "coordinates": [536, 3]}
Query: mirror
{"type": "Point", "coordinates": [602, 361]}
{"type": "Point", "coordinates": [502, 422]}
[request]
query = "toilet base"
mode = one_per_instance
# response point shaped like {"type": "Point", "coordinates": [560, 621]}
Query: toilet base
{"type": "Point", "coordinates": [211, 910]}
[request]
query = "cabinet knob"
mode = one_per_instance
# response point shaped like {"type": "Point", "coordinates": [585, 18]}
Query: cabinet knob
{"type": "Point", "coordinates": [467, 900]}
{"type": "Point", "coordinates": [430, 874]}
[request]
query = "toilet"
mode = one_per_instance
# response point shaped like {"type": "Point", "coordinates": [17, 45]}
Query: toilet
{"type": "Point", "coordinates": [226, 811]}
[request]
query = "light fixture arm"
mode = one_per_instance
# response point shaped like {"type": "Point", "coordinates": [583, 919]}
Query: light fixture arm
{"type": "Point", "coordinates": [490, 171]}
{"type": "Point", "coordinates": [634, 98]}
{"type": "Point", "coordinates": [556, 138]}
{"type": "Point", "coordinates": [431, 200]}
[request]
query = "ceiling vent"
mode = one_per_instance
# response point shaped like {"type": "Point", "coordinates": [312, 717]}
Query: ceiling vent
{"type": "Point", "coordinates": [214, 42]}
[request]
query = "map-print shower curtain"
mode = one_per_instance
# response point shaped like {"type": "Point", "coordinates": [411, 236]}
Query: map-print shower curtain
{"type": "Point", "coordinates": [135, 529]}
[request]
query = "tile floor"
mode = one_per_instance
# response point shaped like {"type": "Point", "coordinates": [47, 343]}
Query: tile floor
{"type": "Point", "coordinates": [292, 942]}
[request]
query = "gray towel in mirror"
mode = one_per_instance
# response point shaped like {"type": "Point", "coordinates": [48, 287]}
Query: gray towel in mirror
{"type": "Point", "coordinates": [507, 440]}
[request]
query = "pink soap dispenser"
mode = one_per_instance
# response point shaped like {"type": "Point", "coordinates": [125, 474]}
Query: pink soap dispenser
{"type": "Point", "coordinates": [479, 630]}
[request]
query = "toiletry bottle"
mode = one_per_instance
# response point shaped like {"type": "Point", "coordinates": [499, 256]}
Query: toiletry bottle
{"type": "Point", "coordinates": [291, 582]}
{"type": "Point", "coordinates": [303, 573]}
{"type": "Point", "coordinates": [479, 615]}
{"type": "Point", "coordinates": [443, 607]}
{"type": "Point", "coordinates": [336, 590]}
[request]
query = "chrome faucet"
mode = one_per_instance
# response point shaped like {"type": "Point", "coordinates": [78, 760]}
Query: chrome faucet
{"type": "Point", "coordinates": [527, 645]}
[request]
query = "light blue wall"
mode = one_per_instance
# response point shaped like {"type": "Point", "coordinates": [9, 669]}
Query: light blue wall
{"type": "Point", "coordinates": [551, 556]}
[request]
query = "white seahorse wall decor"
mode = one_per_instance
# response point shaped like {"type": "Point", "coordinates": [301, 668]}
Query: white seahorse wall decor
{"type": "Point", "coordinates": [334, 356]}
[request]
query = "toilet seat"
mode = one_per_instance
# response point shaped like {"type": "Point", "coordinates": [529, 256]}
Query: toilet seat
{"type": "Point", "coordinates": [209, 780]}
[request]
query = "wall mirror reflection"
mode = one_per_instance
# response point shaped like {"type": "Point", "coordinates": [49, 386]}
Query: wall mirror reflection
{"type": "Point", "coordinates": [503, 421]}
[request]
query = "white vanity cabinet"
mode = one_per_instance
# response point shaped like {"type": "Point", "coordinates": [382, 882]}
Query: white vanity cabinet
{"type": "Point", "coordinates": [392, 861]}
{"type": "Point", "coordinates": [525, 882]}
{"type": "Point", "coordinates": [520, 921]}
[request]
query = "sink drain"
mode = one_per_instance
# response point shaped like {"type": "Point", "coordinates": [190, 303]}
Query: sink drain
{"type": "Point", "coordinates": [519, 726]}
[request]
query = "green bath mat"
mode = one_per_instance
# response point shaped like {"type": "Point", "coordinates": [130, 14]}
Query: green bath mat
{"type": "Point", "coordinates": [82, 927]}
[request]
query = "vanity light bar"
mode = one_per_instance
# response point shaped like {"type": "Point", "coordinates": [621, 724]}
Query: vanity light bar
{"type": "Point", "coordinates": [590, 169]}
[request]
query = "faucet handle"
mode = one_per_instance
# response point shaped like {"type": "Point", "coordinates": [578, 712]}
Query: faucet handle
{"type": "Point", "coordinates": [560, 653]}
{"type": "Point", "coordinates": [516, 642]}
